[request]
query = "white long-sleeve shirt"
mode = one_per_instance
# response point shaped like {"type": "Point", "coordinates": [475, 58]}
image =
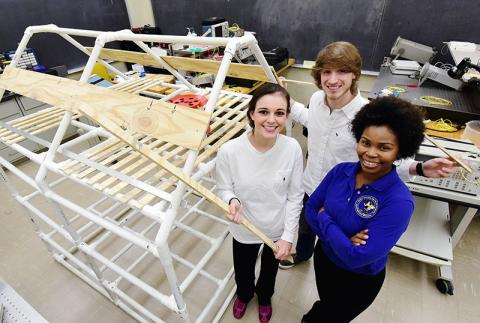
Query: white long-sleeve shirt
{"type": "Point", "coordinates": [268, 185]}
{"type": "Point", "coordinates": [330, 140]}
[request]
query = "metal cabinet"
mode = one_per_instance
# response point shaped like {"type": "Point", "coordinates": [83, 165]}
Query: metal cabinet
{"type": "Point", "coordinates": [29, 106]}
{"type": "Point", "coordinates": [13, 107]}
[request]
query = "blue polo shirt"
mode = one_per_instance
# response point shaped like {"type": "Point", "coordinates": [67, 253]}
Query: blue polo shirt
{"type": "Point", "coordinates": [384, 207]}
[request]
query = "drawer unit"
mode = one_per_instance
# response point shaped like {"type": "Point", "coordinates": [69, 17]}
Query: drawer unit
{"type": "Point", "coordinates": [11, 154]}
{"type": "Point", "coordinates": [29, 104]}
{"type": "Point", "coordinates": [50, 133]}
{"type": "Point", "coordinates": [13, 107]}
{"type": "Point", "coordinates": [12, 117]}
{"type": "Point", "coordinates": [9, 108]}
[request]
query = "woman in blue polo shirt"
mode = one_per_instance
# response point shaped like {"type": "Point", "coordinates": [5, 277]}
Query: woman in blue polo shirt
{"type": "Point", "coordinates": [366, 199]}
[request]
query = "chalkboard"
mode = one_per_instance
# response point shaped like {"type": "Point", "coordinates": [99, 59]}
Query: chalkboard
{"type": "Point", "coordinates": [52, 50]}
{"type": "Point", "coordinates": [429, 22]}
{"type": "Point", "coordinates": [306, 26]}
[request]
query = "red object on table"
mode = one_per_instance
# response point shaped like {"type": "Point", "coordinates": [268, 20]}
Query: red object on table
{"type": "Point", "coordinates": [193, 101]}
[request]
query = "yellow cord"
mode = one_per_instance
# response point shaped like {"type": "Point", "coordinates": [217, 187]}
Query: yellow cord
{"type": "Point", "coordinates": [434, 100]}
{"type": "Point", "coordinates": [441, 124]}
{"type": "Point", "coordinates": [233, 28]}
{"type": "Point", "coordinates": [396, 89]}
{"type": "Point", "coordinates": [476, 180]}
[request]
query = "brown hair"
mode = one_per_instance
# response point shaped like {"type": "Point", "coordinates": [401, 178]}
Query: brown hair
{"type": "Point", "coordinates": [341, 55]}
{"type": "Point", "coordinates": [268, 88]}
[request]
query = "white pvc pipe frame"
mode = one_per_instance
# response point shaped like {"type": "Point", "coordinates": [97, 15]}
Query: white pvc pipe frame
{"type": "Point", "coordinates": [160, 247]}
{"type": "Point", "coordinates": [127, 235]}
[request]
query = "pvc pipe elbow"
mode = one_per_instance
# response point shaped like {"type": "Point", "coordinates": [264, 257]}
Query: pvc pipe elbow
{"type": "Point", "coordinates": [30, 30]}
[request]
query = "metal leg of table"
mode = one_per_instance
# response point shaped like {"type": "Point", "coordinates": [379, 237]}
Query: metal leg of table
{"type": "Point", "coordinates": [460, 218]}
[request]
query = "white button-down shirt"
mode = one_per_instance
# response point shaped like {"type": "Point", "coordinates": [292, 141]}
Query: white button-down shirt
{"type": "Point", "coordinates": [330, 140]}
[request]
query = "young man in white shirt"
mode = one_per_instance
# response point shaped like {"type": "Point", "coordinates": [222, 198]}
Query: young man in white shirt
{"type": "Point", "coordinates": [327, 119]}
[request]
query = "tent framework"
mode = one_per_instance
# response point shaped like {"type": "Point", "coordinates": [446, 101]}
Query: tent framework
{"type": "Point", "coordinates": [142, 229]}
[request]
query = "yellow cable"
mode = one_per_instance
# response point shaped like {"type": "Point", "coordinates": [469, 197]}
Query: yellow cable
{"type": "Point", "coordinates": [434, 100]}
{"type": "Point", "coordinates": [233, 28]}
{"type": "Point", "coordinates": [476, 181]}
{"type": "Point", "coordinates": [441, 124]}
{"type": "Point", "coordinates": [396, 89]}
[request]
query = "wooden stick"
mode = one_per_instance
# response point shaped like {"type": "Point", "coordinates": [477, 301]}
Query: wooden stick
{"type": "Point", "coordinates": [298, 82]}
{"type": "Point", "coordinates": [126, 136]}
{"type": "Point", "coordinates": [244, 71]}
{"type": "Point", "coordinates": [458, 161]}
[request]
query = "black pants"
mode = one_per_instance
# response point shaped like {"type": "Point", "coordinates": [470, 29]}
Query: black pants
{"type": "Point", "coordinates": [306, 237]}
{"type": "Point", "coordinates": [244, 259]}
{"type": "Point", "coordinates": [343, 294]}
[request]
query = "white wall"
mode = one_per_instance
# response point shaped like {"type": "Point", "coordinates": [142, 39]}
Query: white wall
{"type": "Point", "coordinates": [140, 13]}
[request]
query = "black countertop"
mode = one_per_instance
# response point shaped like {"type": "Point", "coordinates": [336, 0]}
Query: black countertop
{"type": "Point", "coordinates": [465, 103]}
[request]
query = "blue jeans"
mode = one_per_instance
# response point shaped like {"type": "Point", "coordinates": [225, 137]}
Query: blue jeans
{"type": "Point", "coordinates": [306, 237]}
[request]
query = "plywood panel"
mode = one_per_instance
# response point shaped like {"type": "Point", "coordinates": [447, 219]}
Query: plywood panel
{"type": "Point", "coordinates": [166, 121]}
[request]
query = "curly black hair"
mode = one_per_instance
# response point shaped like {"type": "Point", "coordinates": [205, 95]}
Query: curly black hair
{"type": "Point", "coordinates": [402, 117]}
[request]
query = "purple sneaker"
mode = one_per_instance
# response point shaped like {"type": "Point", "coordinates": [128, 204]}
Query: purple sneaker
{"type": "Point", "coordinates": [265, 313]}
{"type": "Point", "coordinates": [239, 308]}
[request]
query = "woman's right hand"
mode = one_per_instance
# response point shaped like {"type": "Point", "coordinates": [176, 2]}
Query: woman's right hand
{"type": "Point", "coordinates": [235, 213]}
{"type": "Point", "coordinates": [360, 238]}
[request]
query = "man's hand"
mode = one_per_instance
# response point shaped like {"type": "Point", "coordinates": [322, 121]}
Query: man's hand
{"type": "Point", "coordinates": [235, 213]}
{"type": "Point", "coordinates": [439, 167]}
{"type": "Point", "coordinates": [283, 249]}
{"type": "Point", "coordinates": [360, 238]}
{"type": "Point", "coordinates": [282, 83]}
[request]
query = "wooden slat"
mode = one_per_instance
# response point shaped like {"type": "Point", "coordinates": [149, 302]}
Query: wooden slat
{"type": "Point", "coordinates": [134, 160]}
{"type": "Point", "coordinates": [230, 113]}
{"type": "Point", "coordinates": [128, 169]}
{"type": "Point", "coordinates": [145, 87]}
{"type": "Point", "coordinates": [165, 121]}
{"type": "Point", "coordinates": [67, 168]}
{"type": "Point", "coordinates": [123, 162]}
{"type": "Point", "coordinates": [244, 71]}
{"type": "Point", "coordinates": [33, 130]}
{"type": "Point", "coordinates": [96, 157]}
{"type": "Point", "coordinates": [127, 136]}
{"type": "Point", "coordinates": [119, 154]}
{"type": "Point", "coordinates": [167, 183]}
{"type": "Point", "coordinates": [130, 83]}
{"type": "Point", "coordinates": [161, 151]}
{"type": "Point", "coordinates": [215, 147]}
{"type": "Point", "coordinates": [33, 118]}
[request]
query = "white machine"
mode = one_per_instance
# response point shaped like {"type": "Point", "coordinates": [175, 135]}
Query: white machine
{"type": "Point", "coordinates": [438, 75]}
{"type": "Point", "coordinates": [215, 27]}
{"type": "Point", "coordinates": [444, 207]}
{"type": "Point", "coordinates": [404, 67]}
{"type": "Point", "coordinates": [411, 50]}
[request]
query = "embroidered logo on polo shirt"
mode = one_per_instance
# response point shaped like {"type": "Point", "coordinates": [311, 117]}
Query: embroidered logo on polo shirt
{"type": "Point", "coordinates": [366, 206]}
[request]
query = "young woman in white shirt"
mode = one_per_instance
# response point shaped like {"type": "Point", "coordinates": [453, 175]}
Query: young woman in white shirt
{"type": "Point", "coordinates": [259, 174]}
